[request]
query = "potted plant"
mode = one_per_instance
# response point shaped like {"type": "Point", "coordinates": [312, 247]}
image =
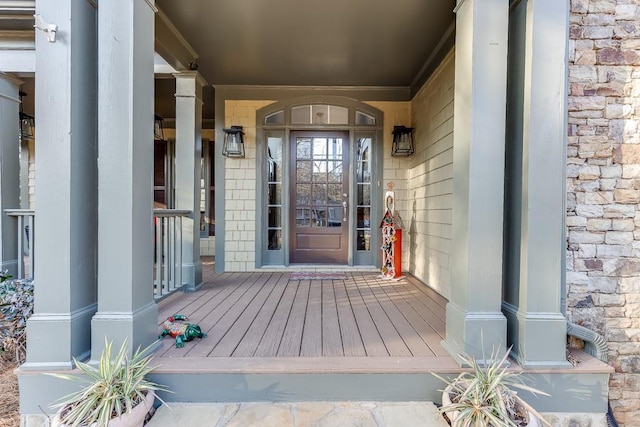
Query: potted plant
{"type": "Point", "coordinates": [116, 392]}
{"type": "Point", "coordinates": [486, 397]}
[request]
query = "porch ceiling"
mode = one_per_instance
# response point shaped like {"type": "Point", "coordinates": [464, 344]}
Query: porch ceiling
{"type": "Point", "coordinates": [328, 43]}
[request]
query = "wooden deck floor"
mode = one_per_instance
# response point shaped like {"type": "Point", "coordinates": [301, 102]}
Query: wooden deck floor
{"type": "Point", "coordinates": [268, 315]}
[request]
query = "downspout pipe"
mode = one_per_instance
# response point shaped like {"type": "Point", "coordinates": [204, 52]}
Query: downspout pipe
{"type": "Point", "coordinates": [595, 345]}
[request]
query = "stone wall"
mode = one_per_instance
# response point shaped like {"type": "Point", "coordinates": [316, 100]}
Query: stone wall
{"type": "Point", "coordinates": [603, 183]}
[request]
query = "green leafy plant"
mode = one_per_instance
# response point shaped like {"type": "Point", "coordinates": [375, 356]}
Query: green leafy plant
{"type": "Point", "coordinates": [4, 276]}
{"type": "Point", "coordinates": [112, 388]}
{"type": "Point", "coordinates": [486, 396]}
{"type": "Point", "coordinates": [16, 306]}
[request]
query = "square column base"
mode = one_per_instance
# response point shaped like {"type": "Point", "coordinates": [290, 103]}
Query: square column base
{"type": "Point", "coordinates": [192, 276]}
{"type": "Point", "coordinates": [139, 328]}
{"type": "Point", "coordinates": [539, 339]}
{"type": "Point", "coordinates": [475, 334]}
{"type": "Point", "coordinates": [54, 339]}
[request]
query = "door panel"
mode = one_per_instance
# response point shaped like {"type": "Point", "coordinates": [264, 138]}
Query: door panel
{"type": "Point", "coordinates": [319, 186]}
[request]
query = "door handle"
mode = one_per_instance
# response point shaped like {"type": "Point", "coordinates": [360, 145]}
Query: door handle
{"type": "Point", "coordinates": [344, 211]}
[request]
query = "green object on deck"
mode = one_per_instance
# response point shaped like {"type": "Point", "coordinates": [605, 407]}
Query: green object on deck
{"type": "Point", "coordinates": [181, 331]}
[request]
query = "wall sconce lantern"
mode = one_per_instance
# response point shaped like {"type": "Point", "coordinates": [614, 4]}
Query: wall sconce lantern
{"type": "Point", "coordinates": [233, 142]}
{"type": "Point", "coordinates": [402, 141]}
{"type": "Point", "coordinates": [158, 131]}
{"type": "Point", "coordinates": [27, 122]}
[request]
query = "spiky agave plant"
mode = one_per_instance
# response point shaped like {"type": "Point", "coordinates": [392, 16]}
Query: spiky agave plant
{"type": "Point", "coordinates": [112, 388]}
{"type": "Point", "coordinates": [486, 396]}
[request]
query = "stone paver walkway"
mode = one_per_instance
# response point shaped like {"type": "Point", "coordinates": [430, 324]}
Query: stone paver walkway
{"type": "Point", "coordinates": [301, 414]}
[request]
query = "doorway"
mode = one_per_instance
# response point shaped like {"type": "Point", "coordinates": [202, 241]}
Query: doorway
{"type": "Point", "coordinates": [319, 209]}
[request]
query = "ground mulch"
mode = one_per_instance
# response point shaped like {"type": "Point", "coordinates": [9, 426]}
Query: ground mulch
{"type": "Point", "coordinates": [9, 407]}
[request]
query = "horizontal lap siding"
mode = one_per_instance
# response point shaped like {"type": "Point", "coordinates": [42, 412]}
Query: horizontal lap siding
{"type": "Point", "coordinates": [430, 181]}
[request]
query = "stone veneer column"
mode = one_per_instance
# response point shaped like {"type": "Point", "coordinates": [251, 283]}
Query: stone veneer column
{"type": "Point", "coordinates": [188, 170]}
{"type": "Point", "coordinates": [66, 184]}
{"type": "Point", "coordinates": [9, 171]}
{"type": "Point", "coordinates": [536, 208]}
{"type": "Point", "coordinates": [474, 322]}
{"type": "Point", "coordinates": [126, 308]}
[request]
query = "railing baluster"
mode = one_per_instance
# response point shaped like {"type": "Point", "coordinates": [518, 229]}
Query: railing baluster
{"type": "Point", "coordinates": [21, 247]}
{"type": "Point", "coordinates": [168, 250]}
{"type": "Point", "coordinates": [158, 279]}
{"type": "Point", "coordinates": [22, 237]}
{"type": "Point", "coordinates": [31, 238]}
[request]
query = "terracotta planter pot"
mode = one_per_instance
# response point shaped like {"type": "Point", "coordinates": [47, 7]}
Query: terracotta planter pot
{"type": "Point", "coordinates": [135, 418]}
{"type": "Point", "coordinates": [446, 400]}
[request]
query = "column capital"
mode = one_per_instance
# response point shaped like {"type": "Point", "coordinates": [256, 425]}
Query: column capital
{"type": "Point", "coordinates": [191, 74]}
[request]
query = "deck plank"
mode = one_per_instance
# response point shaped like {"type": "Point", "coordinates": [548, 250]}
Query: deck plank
{"type": "Point", "coordinates": [351, 338]}
{"type": "Point", "coordinates": [210, 314]}
{"type": "Point", "coordinates": [247, 347]}
{"type": "Point", "coordinates": [428, 309]}
{"type": "Point", "coordinates": [205, 305]}
{"type": "Point", "coordinates": [392, 339]}
{"type": "Point", "coordinates": [312, 333]}
{"type": "Point", "coordinates": [236, 332]}
{"type": "Point", "coordinates": [292, 336]}
{"type": "Point", "coordinates": [373, 343]}
{"type": "Point", "coordinates": [264, 314]}
{"type": "Point", "coordinates": [331, 339]}
{"type": "Point", "coordinates": [268, 346]}
{"type": "Point", "coordinates": [386, 298]}
{"type": "Point", "coordinates": [182, 302]}
{"type": "Point", "coordinates": [222, 325]}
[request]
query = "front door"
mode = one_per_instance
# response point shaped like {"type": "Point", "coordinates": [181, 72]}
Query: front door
{"type": "Point", "coordinates": [319, 203]}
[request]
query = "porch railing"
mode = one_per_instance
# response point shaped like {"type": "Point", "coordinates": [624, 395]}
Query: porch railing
{"type": "Point", "coordinates": [26, 240]}
{"type": "Point", "coordinates": [168, 250]}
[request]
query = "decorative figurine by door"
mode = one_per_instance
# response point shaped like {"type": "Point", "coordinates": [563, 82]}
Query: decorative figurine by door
{"type": "Point", "coordinates": [391, 226]}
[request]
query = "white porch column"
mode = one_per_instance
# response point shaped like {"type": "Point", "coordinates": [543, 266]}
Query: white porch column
{"type": "Point", "coordinates": [126, 308]}
{"type": "Point", "coordinates": [474, 320]}
{"type": "Point", "coordinates": [9, 171]}
{"type": "Point", "coordinates": [66, 184]}
{"type": "Point", "coordinates": [188, 170]}
{"type": "Point", "coordinates": [536, 164]}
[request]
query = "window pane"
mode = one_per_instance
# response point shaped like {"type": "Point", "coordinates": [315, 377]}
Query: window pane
{"type": "Point", "coordinates": [334, 218]}
{"type": "Point", "coordinates": [303, 194]}
{"type": "Point", "coordinates": [275, 194]}
{"type": "Point", "coordinates": [274, 156]}
{"type": "Point", "coordinates": [320, 171]}
{"type": "Point", "coordinates": [364, 119]}
{"type": "Point", "coordinates": [276, 118]}
{"type": "Point", "coordinates": [363, 240]}
{"type": "Point", "coordinates": [301, 115]}
{"type": "Point", "coordinates": [335, 148]}
{"type": "Point", "coordinates": [335, 194]}
{"type": "Point", "coordinates": [338, 115]}
{"type": "Point", "coordinates": [274, 217]}
{"type": "Point", "coordinates": [319, 148]}
{"type": "Point", "coordinates": [303, 171]}
{"type": "Point", "coordinates": [303, 148]}
{"type": "Point", "coordinates": [363, 217]}
{"type": "Point", "coordinates": [319, 218]}
{"type": "Point", "coordinates": [320, 114]}
{"type": "Point", "coordinates": [275, 240]}
{"type": "Point", "coordinates": [363, 194]}
{"type": "Point", "coordinates": [319, 194]}
{"type": "Point", "coordinates": [335, 171]}
{"type": "Point", "coordinates": [303, 217]}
